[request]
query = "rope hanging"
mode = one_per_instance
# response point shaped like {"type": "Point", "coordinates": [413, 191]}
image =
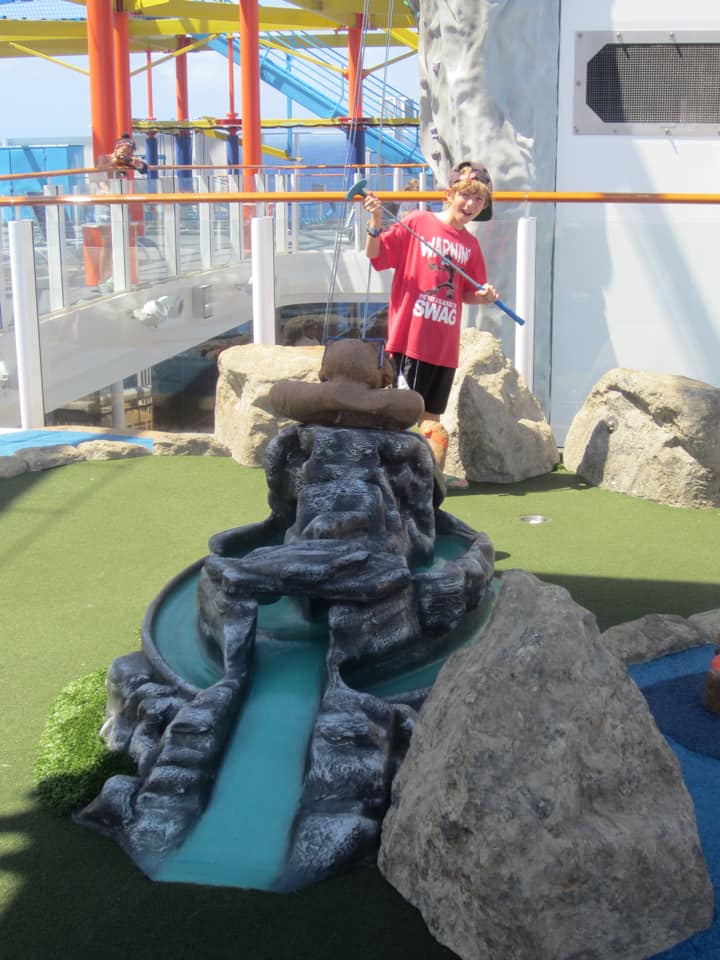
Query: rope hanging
{"type": "Point", "coordinates": [366, 302]}
{"type": "Point", "coordinates": [345, 219]}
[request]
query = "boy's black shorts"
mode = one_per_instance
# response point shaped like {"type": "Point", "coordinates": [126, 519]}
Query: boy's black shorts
{"type": "Point", "coordinates": [433, 383]}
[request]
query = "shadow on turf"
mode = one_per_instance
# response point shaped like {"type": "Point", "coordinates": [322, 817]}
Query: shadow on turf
{"type": "Point", "coordinates": [614, 600]}
{"type": "Point", "coordinates": [75, 894]}
{"type": "Point", "coordinates": [547, 483]}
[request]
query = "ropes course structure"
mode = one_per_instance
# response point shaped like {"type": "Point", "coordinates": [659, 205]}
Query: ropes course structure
{"type": "Point", "coordinates": [356, 145]}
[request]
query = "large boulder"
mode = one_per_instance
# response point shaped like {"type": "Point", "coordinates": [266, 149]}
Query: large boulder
{"type": "Point", "coordinates": [498, 432]}
{"type": "Point", "coordinates": [658, 634]}
{"type": "Point", "coordinates": [539, 813]}
{"type": "Point", "coordinates": [650, 435]}
{"type": "Point", "coordinates": [245, 420]}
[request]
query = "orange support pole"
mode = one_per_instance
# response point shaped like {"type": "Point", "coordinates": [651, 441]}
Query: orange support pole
{"type": "Point", "coordinates": [183, 140]}
{"type": "Point", "coordinates": [181, 81]}
{"type": "Point", "coordinates": [121, 50]}
{"type": "Point", "coordinates": [250, 102]}
{"type": "Point", "coordinates": [149, 86]}
{"type": "Point", "coordinates": [355, 69]}
{"type": "Point", "coordinates": [355, 89]}
{"type": "Point", "coordinates": [100, 63]}
{"type": "Point", "coordinates": [231, 79]}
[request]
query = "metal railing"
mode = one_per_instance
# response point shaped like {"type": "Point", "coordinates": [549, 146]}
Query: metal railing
{"type": "Point", "coordinates": [85, 242]}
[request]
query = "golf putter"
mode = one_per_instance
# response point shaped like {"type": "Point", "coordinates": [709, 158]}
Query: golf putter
{"type": "Point", "coordinates": [358, 191]}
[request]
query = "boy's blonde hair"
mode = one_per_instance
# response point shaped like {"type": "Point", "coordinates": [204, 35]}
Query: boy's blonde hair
{"type": "Point", "coordinates": [473, 187]}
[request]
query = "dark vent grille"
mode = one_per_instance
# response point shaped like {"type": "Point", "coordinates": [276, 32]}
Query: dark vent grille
{"type": "Point", "coordinates": [655, 83]}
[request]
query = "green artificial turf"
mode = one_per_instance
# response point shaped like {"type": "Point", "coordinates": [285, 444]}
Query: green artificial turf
{"type": "Point", "coordinates": [86, 548]}
{"type": "Point", "coordinates": [72, 762]}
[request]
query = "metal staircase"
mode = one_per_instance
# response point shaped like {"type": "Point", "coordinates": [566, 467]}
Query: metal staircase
{"type": "Point", "coordinates": [313, 76]}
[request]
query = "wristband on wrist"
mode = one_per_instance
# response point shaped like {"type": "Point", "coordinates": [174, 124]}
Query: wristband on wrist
{"type": "Point", "coordinates": [373, 231]}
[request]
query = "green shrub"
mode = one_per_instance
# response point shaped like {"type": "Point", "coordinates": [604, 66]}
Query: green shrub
{"type": "Point", "coordinates": [72, 762]}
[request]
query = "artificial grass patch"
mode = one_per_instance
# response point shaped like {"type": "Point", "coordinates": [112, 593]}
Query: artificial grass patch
{"type": "Point", "coordinates": [72, 761]}
{"type": "Point", "coordinates": [85, 548]}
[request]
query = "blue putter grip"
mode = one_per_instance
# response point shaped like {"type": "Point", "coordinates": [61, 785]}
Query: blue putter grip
{"type": "Point", "coordinates": [357, 190]}
{"type": "Point", "coordinates": [509, 312]}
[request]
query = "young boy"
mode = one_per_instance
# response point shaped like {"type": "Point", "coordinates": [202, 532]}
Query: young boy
{"type": "Point", "coordinates": [428, 292]}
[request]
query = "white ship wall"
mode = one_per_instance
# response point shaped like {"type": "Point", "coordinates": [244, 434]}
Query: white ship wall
{"type": "Point", "coordinates": [634, 286]}
{"type": "Point", "coordinates": [617, 285]}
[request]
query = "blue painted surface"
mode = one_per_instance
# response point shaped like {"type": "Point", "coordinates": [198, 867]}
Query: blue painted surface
{"type": "Point", "coordinates": [15, 440]}
{"type": "Point", "coordinates": [702, 778]}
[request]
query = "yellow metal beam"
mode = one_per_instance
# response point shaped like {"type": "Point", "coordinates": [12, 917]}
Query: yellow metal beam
{"type": "Point", "coordinates": [270, 18]}
{"type": "Point", "coordinates": [320, 22]}
{"type": "Point", "coordinates": [32, 31]}
{"type": "Point", "coordinates": [347, 11]}
{"type": "Point", "coordinates": [406, 38]}
{"type": "Point", "coordinates": [26, 51]}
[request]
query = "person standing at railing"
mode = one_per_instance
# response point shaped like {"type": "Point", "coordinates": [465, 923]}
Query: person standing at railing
{"type": "Point", "coordinates": [122, 160]}
{"type": "Point", "coordinates": [396, 209]}
{"type": "Point", "coordinates": [121, 163]}
{"type": "Point", "coordinates": [427, 293]}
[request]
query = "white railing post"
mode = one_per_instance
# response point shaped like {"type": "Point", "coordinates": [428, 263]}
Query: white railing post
{"type": "Point", "coordinates": [27, 330]}
{"type": "Point", "coordinates": [117, 396]}
{"type": "Point", "coordinates": [261, 207]}
{"type": "Point", "coordinates": [120, 238]}
{"type": "Point", "coordinates": [263, 279]}
{"type": "Point", "coordinates": [294, 217]}
{"type": "Point", "coordinates": [281, 216]}
{"type": "Point", "coordinates": [422, 186]}
{"type": "Point", "coordinates": [525, 299]}
{"type": "Point", "coordinates": [360, 221]}
{"type": "Point", "coordinates": [55, 234]}
{"type": "Point", "coordinates": [235, 218]}
{"type": "Point", "coordinates": [171, 228]}
{"type": "Point", "coordinates": [5, 302]}
{"type": "Point", "coordinates": [204, 214]}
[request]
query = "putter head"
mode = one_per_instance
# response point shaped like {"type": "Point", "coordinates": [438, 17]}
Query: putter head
{"type": "Point", "coordinates": [357, 190]}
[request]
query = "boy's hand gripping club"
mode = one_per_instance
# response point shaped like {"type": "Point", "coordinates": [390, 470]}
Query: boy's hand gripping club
{"type": "Point", "coordinates": [358, 191]}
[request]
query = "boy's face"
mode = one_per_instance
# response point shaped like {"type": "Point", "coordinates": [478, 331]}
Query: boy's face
{"type": "Point", "coordinates": [465, 203]}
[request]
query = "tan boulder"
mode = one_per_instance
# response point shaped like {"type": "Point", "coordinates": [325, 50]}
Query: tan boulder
{"type": "Point", "coordinates": [244, 417]}
{"type": "Point", "coordinates": [498, 432]}
{"type": "Point", "coordinates": [650, 435]}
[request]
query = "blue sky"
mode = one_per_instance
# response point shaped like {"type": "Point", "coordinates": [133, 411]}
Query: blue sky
{"type": "Point", "coordinates": [52, 101]}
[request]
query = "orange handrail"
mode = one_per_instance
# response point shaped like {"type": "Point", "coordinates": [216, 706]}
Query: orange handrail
{"type": "Point", "coordinates": [314, 196]}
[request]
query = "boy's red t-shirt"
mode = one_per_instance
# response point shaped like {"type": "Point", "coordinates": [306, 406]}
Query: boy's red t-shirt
{"type": "Point", "coordinates": [426, 296]}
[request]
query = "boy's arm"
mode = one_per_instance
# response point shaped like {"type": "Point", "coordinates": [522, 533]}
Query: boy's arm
{"type": "Point", "coordinates": [374, 227]}
{"type": "Point", "coordinates": [488, 294]}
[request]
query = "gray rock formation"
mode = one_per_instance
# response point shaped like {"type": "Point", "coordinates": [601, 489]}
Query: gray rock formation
{"type": "Point", "coordinates": [244, 417]}
{"type": "Point", "coordinates": [351, 539]}
{"type": "Point", "coordinates": [498, 433]}
{"type": "Point", "coordinates": [657, 634]}
{"type": "Point", "coordinates": [650, 435]}
{"type": "Point", "coordinates": [176, 739]}
{"type": "Point", "coordinates": [539, 813]}
{"type": "Point", "coordinates": [488, 92]}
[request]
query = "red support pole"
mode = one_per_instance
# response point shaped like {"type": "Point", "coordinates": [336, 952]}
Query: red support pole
{"type": "Point", "coordinates": [250, 74]}
{"type": "Point", "coordinates": [181, 81]}
{"type": "Point", "coordinates": [100, 63]}
{"type": "Point", "coordinates": [231, 79]}
{"type": "Point", "coordinates": [150, 110]}
{"type": "Point", "coordinates": [355, 69]}
{"type": "Point", "coordinates": [121, 50]}
{"type": "Point", "coordinates": [355, 90]}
